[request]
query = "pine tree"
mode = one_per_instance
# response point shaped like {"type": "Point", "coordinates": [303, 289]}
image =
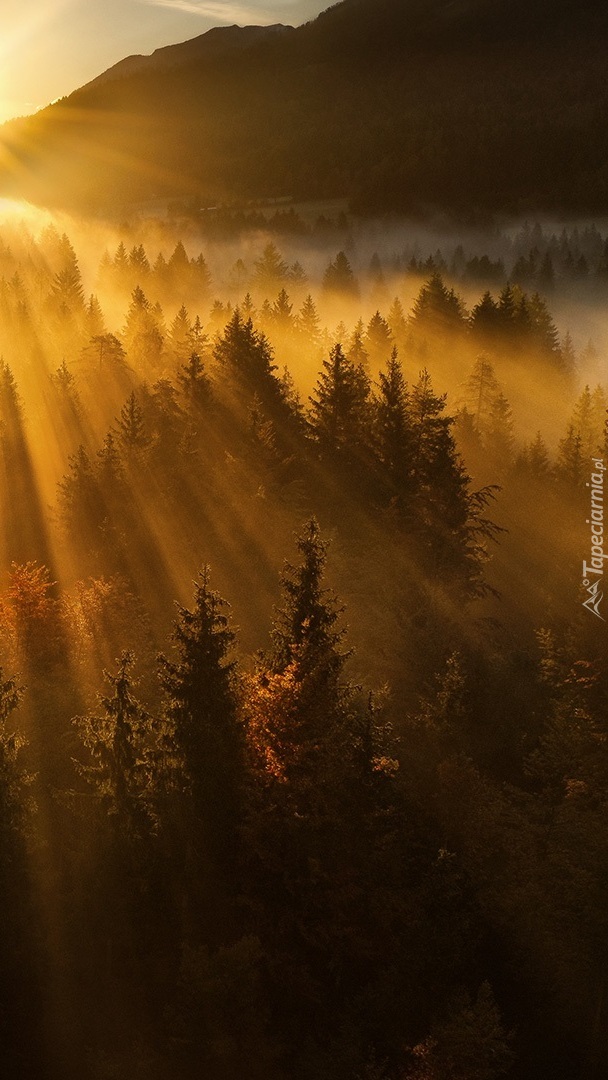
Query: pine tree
{"type": "Point", "coordinates": [105, 351]}
{"type": "Point", "coordinates": [94, 321]}
{"type": "Point", "coordinates": [378, 339]}
{"type": "Point", "coordinates": [180, 338]}
{"type": "Point", "coordinates": [357, 353]}
{"type": "Point", "coordinates": [533, 461]}
{"type": "Point", "coordinates": [437, 310]}
{"type": "Point", "coordinates": [392, 435]}
{"type": "Point", "coordinates": [201, 278]}
{"type": "Point", "coordinates": [339, 279]}
{"type": "Point", "coordinates": [245, 354]}
{"type": "Point", "coordinates": [570, 464]}
{"type": "Point", "coordinates": [322, 796]}
{"type": "Point", "coordinates": [131, 430]}
{"type": "Point", "coordinates": [305, 627]}
{"type": "Point", "coordinates": [270, 271]}
{"type": "Point", "coordinates": [67, 294]}
{"type": "Point", "coordinates": [568, 354]}
{"type": "Point", "coordinates": [142, 335]}
{"type": "Point", "coordinates": [194, 382]}
{"type": "Point", "coordinates": [339, 407]}
{"type": "Point", "coordinates": [138, 261]}
{"type": "Point", "coordinates": [543, 332]}
{"type": "Point", "coordinates": [80, 506]}
{"type": "Point", "coordinates": [588, 420]}
{"type": "Point", "coordinates": [452, 519]}
{"type": "Point", "coordinates": [282, 317]}
{"type": "Point", "coordinates": [481, 391]}
{"type": "Point", "coordinates": [69, 399]}
{"type": "Point", "coordinates": [499, 441]}
{"type": "Point", "coordinates": [121, 266]}
{"type": "Point", "coordinates": [397, 324]}
{"type": "Point", "coordinates": [308, 325]}
{"type": "Point", "coordinates": [178, 265]}
{"type": "Point", "coordinates": [201, 688]}
{"type": "Point", "coordinates": [110, 472]}
{"type": "Point", "coordinates": [117, 739]}
{"type": "Point", "coordinates": [485, 319]}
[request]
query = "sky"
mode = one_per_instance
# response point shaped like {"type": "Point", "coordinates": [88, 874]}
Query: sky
{"type": "Point", "coordinates": [50, 47]}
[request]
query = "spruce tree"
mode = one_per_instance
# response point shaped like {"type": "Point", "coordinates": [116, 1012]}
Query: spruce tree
{"type": "Point", "coordinates": [131, 427]}
{"type": "Point", "coordinates": [201, 688]}
{"type": "Point", "coordinates": [339, 406]}
{"type": "Point", "coordinates": [392, 434]}
{"type": "Point", "coordinates": [378, 339]}
{"type": "Point", "coordinates": [118, 739]}
{"type": "Point", "coordinates": [339, 279]}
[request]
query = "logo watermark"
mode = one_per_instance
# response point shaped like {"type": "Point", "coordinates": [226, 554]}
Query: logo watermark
{"type": "Point", "coordinates": [593, 571]}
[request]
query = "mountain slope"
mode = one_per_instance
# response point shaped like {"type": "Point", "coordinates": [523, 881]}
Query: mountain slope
{"type": "Point", "coordinates": [460, 104]}
{"type": "Point", "coordinates": [221, 41]}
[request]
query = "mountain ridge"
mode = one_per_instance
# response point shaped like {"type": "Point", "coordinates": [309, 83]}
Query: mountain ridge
{"type": "Point", "coordinates": [400, 107]}
{"type": "Point", "coordinates": [218, 41]}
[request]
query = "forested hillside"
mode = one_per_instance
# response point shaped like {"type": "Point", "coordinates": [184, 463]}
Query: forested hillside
{"type": "Point", "coordinates": [410, 107]}
{"type": "Point", "coordinates": [303, 743]}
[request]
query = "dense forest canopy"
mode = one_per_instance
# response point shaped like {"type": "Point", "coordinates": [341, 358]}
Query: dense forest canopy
{"type": "Point", "coordinates": [303, 733]}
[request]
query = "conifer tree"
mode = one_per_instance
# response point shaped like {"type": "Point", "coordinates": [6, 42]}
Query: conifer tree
{"type": "Point", "coordinates": [480, 393]}
{"type": "Point", "coordinates": [142, 335]}
{"type": "Point", "coordinates": [357, 353]}
{"type": "Point", "coordinates": [397, 324]}
{"type": "Point", "coordinates": [485, 319]}
{"type": "Point", "coordinates": [282, 312]}
{"type": "Point", "coordinates": [79, 500]}
{"type": "Point", "coordinates": [452, 518]}
{"type": "Point", "coordinates": [246, 356]}
{"type": "Point", "coordinates": [180, 337]}
{"type": "Point", "coordinates": [118, 738]}
{"type": "Point", "coordinates": [121, 265]}
{"type": "Point", "coordinates": [306, 624]}
{"type": "Point", "coordinates": [499, 440]}
{"type": "Point", "coordinates": [392, 433]}
{"type": "Point", "coordinates": [94, 321]}
{"type": "Point", "coordinates": [138, 263]}
{"type": "Point", "coordinates": [110, 472]}
{"type": "Point", "coordinates": [201, 707]}
{"type": "Point", "coordinates": [339, 407]}
{"type": "Point", "coordinates": [270, 271]}
{"type": "Point", "coordinates": [194, 382]}
{"type": "Point", "coordinates": [201, 278]}
{"type": "Point", "coordinates": [131, 430]}
{"type": "Point", "coordinates": [378, 339]}
{"type": "Point", "coordinates": [533, 461]}
{"type": "Point", "coordinates": [570, 464]}
{"type": "Point", "coordinates": [437, 310]}
{"type": "Point", "coordinates": [339, 279]}
{"type": "Point", "coordinates": [308, 324]}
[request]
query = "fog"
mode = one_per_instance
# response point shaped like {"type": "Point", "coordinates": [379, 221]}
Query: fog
{"type": "Point", "coordinates": [424, 408]}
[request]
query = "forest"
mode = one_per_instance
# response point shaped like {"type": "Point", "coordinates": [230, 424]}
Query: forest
{"type": "Point", "coordinates": [303, 704]}
{"type": "Point", "coordinates": [399, 106]}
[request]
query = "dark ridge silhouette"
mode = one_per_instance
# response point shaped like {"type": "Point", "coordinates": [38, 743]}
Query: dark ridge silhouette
{"type": "Point", "coordinates": [395, 106]}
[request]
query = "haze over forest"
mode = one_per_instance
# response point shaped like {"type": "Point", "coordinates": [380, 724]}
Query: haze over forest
{"type": "Point", "coordinates": [303, 679]}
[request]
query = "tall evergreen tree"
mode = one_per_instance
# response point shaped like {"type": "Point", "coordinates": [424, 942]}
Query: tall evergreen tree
{"type": "Point", "coordinates": [339, 406]}
{"type": "Point", "coordinates": [392, 434]}
{"type": "Point", "coordinates": [131, 427]}
{"type": "Point", "coordinates": [201, 706]}
{"type": "Point", "coordinates": [339, 279]}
